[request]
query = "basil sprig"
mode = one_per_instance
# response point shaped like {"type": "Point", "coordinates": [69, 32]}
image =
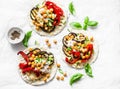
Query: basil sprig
{"type": "Point", "coordinates": [26, 38]}
{"type": "Point", "coordinates": [88, 70]}
{"type": "Point", "coordinates": [76, 77]}
{"type": "Point", "coordinates": [89, 23]}
{"type": "Point", "coordinates": [76, 25]}
{"type": "Point", "coordinates": [71, 8]}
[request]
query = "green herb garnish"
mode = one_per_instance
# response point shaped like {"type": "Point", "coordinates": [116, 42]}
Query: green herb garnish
{"type": "Point", "coordinates": [39, 60]}
{"type": "Point", "coordinates": [61, 71]}
{"type": "Point", "coordinates": [71, 8]}
{"type": "Point", "coordinates": [92, 23]}
{"type": "Point", "coordinates": [69, 48]}
{"type": "Point", "coordinates": [76, 25]}
{"type": "Point", "coordinates": [36, 42]}
{"type": "Point", "coordinates": [75, 78]}
{"type": "Point", "coordinates": [26, 38]}
{"type": "Point", "coordinates": [88, 70]}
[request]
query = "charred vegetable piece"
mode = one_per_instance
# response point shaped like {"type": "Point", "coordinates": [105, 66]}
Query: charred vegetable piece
{"type": "Point", "coordinates": [67, 51]}
{"type": "Point", "coordinates": [70, 60]}
{"type": "Point", "coordinates": [70, 36]}
{"type": "Point", "coordinates": [25, 56]}
{"type": "Point", "coordinates": [33, 14]}
{"type": "Point", "coordinates": [50, 60]}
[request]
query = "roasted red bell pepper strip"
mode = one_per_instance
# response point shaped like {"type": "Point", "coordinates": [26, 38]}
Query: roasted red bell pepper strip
{"type": "Point", "coordinates": [90, 47]}
{"type": "Point", "coordinates": [28, 69]}
{"type": "Point", "coordinates": [25, 56]}
{"type": "Point", "coordinates": [84, 60]}
{"type": "Point", "coordinates": [22, 65]}
{"type": "Point", "coordinates": [76, 54]}
{"type": "Point", "coordinates": [71, 61]}
{"type": "Point", "coordinates": [57, 10]}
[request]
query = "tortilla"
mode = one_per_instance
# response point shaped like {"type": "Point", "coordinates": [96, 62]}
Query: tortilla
{"type": "Point", "coordinates": [93, 57]}
{"type": "Point", "coordinates": [27, 79]}
{"type": "Point", "coordinates": [57, 28]}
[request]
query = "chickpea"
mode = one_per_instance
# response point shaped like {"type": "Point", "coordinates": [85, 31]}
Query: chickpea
{"type": "Point", "coordinates": [33, 56]}
{"type": "Point", "coordinates": [50, 16]}
{"type": "Point", "coordinates": [44, 15]}
{"type": "Point", "coordinates": [86, 56]}
{"type": "Point", "coordinates": [91, 39]}
{"type": "Point", "coordinates": [58, 78]}
{"type": "Point", "coordinates": [46, 28]}
{"type": "Point", "coordinates": [55, 41]}
{"type": "Point", "coordinates": [51, 10]}
{"type": "Point", "coordinates": [34, 52]}
{"type": "Point", "coordinates": [53, 16]}
{"type": "Point", "coordinates": [32, 66]}
{"type": "Point", "coordinates": [49, 45]}
{"type": "Point", "coordinates": [48, 75]}
{"type": "Point", "coordinates": [38, 68]}
{"type": "Point", "coordinates": [33, 22]}
{"type": "Point", "coordinates": [30, 58]}
{"type": "Point", "coordinates": [41, 24]}
{"type": "Point", "coordinates": [62, 78]}
{"type": "Point", "coordinates": [37, 28]}
{"type": "Point", "coordinates": [45, 79]}
{"type": "Point", "coordinates": [58, 65]}
{"type": "Point", "coordinates": [65, 74]}
{"type": "Point", "coordinates": [83, 57]}
{"type": "Point", "coordinates": [29, 63]}
{"type": "Point", "coordinates": [47, 41]}
{"type": "Point", "coordinates": [30, 49]}
{"type": "Point", "coordinates": [46, 21]}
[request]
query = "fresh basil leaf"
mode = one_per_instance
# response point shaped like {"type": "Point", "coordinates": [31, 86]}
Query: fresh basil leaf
{"type": "Point", "coordinates": [26, 38]}
{"type": "Point", "coordinates": [75, 25]}
{"type": "Point", "coordinates": [85, 26]}
{"type": "Point", "coordinates": [88, 70]}
{"type": "Point", "coordinates": [60, 70]}
{"type": "Point", "coordinates": [71, 8]}
{"type": "Point", "coordinates": [75, 78]}
{"type": "Point", "coordinates": [92, 23]}
{"type": "Point", "coordinates": [86, 20]}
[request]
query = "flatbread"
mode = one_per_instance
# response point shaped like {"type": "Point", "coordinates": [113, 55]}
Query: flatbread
{"type": "Point", "coordinates": [26, 78]}
{"type": "Point", "coordinates": [93, 57]}
{"type": "Point", "coordinates": [58, 28]}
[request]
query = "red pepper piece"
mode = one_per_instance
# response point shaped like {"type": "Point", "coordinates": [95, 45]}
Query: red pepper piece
{"type": "Point", "coordinates": [90, 46]}
{"type": "Point", "coordinates": [57, 10]}
{"type": "Point", "coordinates": [76, 54]}
{"type": "Point", "coordinates": [84, 60]}
{"type": "Point", "coordinates": [28, 69]}
{"type": "Point", "coordinates": [22, 65]}
{"type": "Point", "coordinates": [71, 61]}
{"type": "Point", "coordinates": [25, 56]}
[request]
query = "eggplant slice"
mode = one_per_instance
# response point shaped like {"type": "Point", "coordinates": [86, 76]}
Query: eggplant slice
{"type": "Point", "coordinates": [33, 13]}
{"type": "Point", "coordinates": [65, 51]}
{"type": "Point", "coordinates": [80, 38]}
{"type": "Point", "coordinates": [65, 41]}
{"type": "Point", "coordinates": [50, 29]}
